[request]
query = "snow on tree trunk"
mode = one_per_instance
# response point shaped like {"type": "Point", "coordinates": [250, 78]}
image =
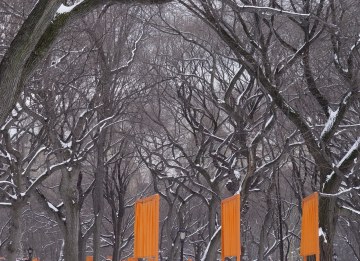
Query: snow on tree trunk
{"type": "Point", "coordinates": [61, 255]}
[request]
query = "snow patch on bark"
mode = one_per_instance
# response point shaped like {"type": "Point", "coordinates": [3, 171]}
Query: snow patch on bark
{"type": "Point", "coordinates": [322, 234]}
{"type": "Point", "coordinates": [330, 122]}
{"type": "Point", "coordinates": [63, 9]}
{"type": "Point", "coordinates": [53, 208]}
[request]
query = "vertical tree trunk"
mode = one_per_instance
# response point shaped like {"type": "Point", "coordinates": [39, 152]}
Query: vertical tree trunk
{"type": "Point", "coordinates": [97, 235]}
{"type": "Point", "coordinates": [116, 248]}
{"type": "Point", "coordinates": [71, 237]}
{"type": "Point", "coordinates": [214, 206]}
{"type": "Point", "coordinates": [215, 244]}
{"type": "Point", "coordinates": [117, 241]}
{"type": "Point", "coordinates": [15, 231]}
{"type": "Point", "coordinates": [327, 222]}
{"type": "Point", "coordinates": [98, 195]}
{"type": "Point", "coordinates": [82, 248]}
{"type": "Point", "coordinates": [117, 218]}
{"type": "Point", "coordinates": [69, 194]}
{"type": "Point", "coordinates": [267, 222]}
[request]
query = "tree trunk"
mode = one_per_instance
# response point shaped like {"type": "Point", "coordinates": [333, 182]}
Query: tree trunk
{"type": "Point", "coordinates": [97, 236]}
{"type": "Point", "coordinates": [82, 248]}
{"type": "Point", "coordinates": [116, 248]}
{"type": "Point", "coordinates": [15, 232]}
{"type": "Point", "coordinates": [214, 206]}
{"type": "Point", "coordinates": [13, 63]}
{"type": "Point", "coordinates": [117, 218]}
{"type": "Point", "coordinates": [327, 222]}
{"type": "Point", "coordinates": [215, 242]}
{"type": "Point", "coordinates": [69, 194]}
{"type": "Point", "coordinates": [267, 222]}
{"type": "Point", "coordinates": [98, 196]}
{"type": "Point", "coordinates": [71, 237]}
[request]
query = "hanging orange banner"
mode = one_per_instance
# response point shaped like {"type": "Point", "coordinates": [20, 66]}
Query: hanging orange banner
{"type": "Point", "coordinates": [146, 230]}
{"type": "Point", "coordinates": [89, 258]}
{"type": "Point", "coordinates": [230, 228]}
{"type": "Point", "coordinates": [310, 227]}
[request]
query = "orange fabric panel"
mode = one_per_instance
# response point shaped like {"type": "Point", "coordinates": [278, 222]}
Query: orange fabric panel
{"type": "Point", "coordinates": [36, 259]}
{"type": "Point", "coordinates": [89, 258]}
{"type": "Point", "coordinates": [146, 229]}
{"type": "Point", "coordinates": [310, 244]}
{"type": "Point", "coordinates": [230, 227]}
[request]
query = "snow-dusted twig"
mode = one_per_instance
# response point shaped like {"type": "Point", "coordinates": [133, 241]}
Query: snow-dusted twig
{"type": "Point", "coordinates": [339, 193]}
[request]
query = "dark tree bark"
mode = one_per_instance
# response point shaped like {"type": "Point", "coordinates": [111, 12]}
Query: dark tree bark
{"type": "Point", "coordinates": [33, 41]}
